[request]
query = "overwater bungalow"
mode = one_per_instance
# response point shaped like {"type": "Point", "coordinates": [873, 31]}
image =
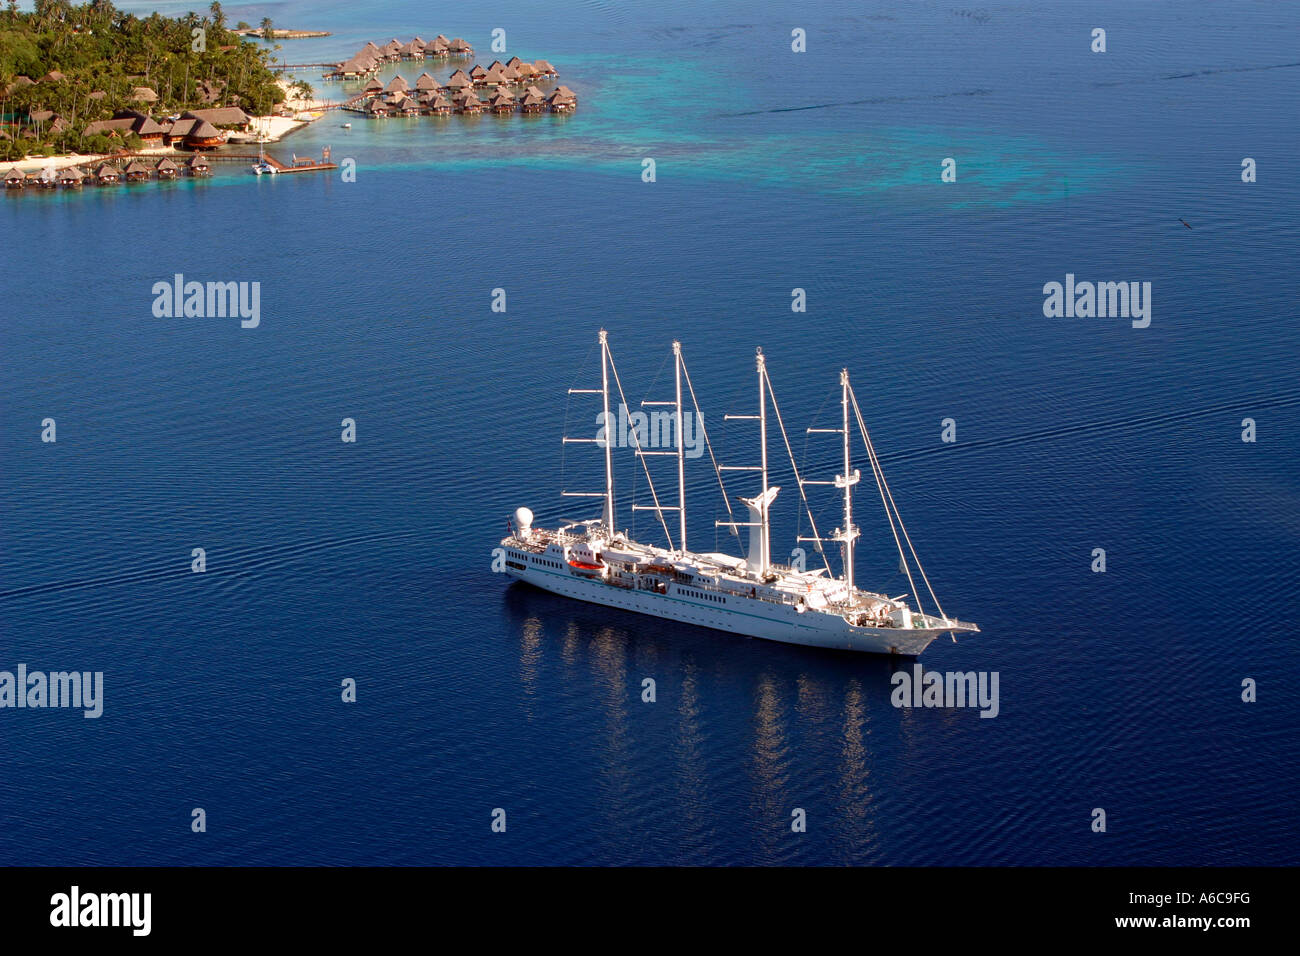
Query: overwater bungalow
{"type": "Point", "coordinates": [354, 68]}
{"type": "Point", "coordinates": [71, 177]}
{"type": "Point", "coordinates": [136, 172]}
{"type": "Point", "coordinates": [166, 169]}
{"type": "Point", "coordinates": [198, 166]}
{"type": "Point", "coordinates": [439, 105]}
{"type": "Point", "coordinates": [43, 179]}
{"type": "Point", "coordinates": [15, 179]}
{"type": "Point", "coordinates": [478, 74]}
{"type": "Point", "coordinates": [511, 75]}
{"type": "Point", "coordinates": [397, 85]}
{"type": "Point", "coordinates": [532, 101]}
{"type": "Point", "coordinates": [437, 48]}
{"type": "Point", "coordinates": [392, 49]}
{"type": "Point", "coordinates": [544, 69]}
{"type": "Point", "coordinates": [377, 107]}
{"type": "Point", "coordinates": [106, 175]}
{"type": "Point", "coordinates": [526, 72]}
{"type": "Point", "coordinates": [373, 86]}
{"type": "Point", "coordinates": [502, 101]}
{"type": "Point", "coordinates": [412, 51]}
{"type": "Point", "coordinates": [403, 105]}
{"type": "Point", "coordinates": [460, 80]}
{"type": "Point", "coordinates": [495, 76]}
{"type": "Point", "coordinates": [560, 103]}
{"type": "Point", "coordinates": [469, 103]}
{"type": "Point", "coordinates": [425, 82]}
{"type": "Point", "coordinates": [459, 47]}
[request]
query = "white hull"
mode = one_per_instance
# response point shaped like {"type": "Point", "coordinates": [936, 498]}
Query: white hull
{"type": "Point", "coordinates": [735, 614]}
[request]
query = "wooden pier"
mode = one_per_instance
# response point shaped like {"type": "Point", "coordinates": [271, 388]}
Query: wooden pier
{"type": "Point", "coordinates": [301, 164]}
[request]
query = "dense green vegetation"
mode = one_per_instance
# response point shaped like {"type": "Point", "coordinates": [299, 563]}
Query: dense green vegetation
{"type": "Point", "coordinates": [190, 62]}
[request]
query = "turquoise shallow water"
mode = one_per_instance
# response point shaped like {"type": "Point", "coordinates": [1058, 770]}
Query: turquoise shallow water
{"type": "Point", "coordinates": [822, 172]}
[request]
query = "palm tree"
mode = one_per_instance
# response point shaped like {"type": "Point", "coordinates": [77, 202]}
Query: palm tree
{"type": "Point", "coordinates": [267, 32]}
{"type": "Point", "coordinates": [218, 15]}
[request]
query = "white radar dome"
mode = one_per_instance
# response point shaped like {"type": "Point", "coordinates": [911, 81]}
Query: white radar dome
{"type": "Point", "coordinates": [523, 521]}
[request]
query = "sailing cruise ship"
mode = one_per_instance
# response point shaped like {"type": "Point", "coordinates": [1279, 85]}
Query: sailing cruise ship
{"type": "Point", "coordinates": [594, 561]}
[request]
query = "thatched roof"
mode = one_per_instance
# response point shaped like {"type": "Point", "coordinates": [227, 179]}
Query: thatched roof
{"type": "Point", "coordinates": [495, 75]}
{"type": "Point", "coordinates": [397, 85]}
{"type": "Point", "coordinates": [477, 71]}
{"type": "Point", "coordinates": [54, 76]}
{"type": "Point", "coordinates": [425, 82]}
{"type": "Point", "coordinates": [357, 64]}
{"type": "Point", "coordinates": [459, 79]}
{"type": "Point", "coordinates": [440, 39]}
{"type": "Point", "coordinates": [541, 66]}
{"type": "Point", "coordinates": [15, 175]}
{"type": "Point", "coordinates": [142, 94]}
{"type": "Point", "coordinates": [108, 126]}
{"type": "Point", "coordinates": [183, 127]}
{"type": "Point", "coordinates": [105, 170]}
{"type": "Point", "coordinates": [439, 102]}
{"type": "Point", "coordinates": [204, 130]}
{"type": "Point", "coordinates": [221, 116]}
{"type": "Point", "coordinates": [374, 86]}
{"type": "Point", "coordinates": [164, 164]}
{"type": "Point", "coordinates": [197, 162]}
{"type": "Point", "coordinates": [460, 46]}
{"type": "Point", "coordinates": [510, 73]}
{"type": "Point", "coordinates": [135, 166]}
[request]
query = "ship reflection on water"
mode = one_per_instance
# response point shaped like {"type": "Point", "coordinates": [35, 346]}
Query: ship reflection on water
{"type": "Point", "coordinates": [740, 733]}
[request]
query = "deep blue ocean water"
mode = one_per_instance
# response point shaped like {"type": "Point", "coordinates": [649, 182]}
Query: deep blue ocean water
{"type": "Point", "coordinates": [775, 170]}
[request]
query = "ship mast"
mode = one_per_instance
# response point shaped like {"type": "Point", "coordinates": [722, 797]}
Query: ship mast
{"type": "Point", "coordinates": [847, 480]}
{"type": "Point", "coordinates": [760, 552]}
{"type": "Point", "coordinates": [681, 446]}
{"type": "Point", "coordinates": [609, 425]}
{"type": "Point", "coordinates": [607, 518]}
{"type": "Point", "coordinates": [847, 534]}
{"type": "Point", "coordinates": [765, 552]}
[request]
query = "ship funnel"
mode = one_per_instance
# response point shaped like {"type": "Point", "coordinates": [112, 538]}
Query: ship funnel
{"type": "Point", "coordinates": [759, 555]}
{"type": "Point", "coordinates": [524, 522]}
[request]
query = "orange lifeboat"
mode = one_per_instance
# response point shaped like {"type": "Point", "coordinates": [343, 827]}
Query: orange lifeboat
{"type": "Point", "coordinates": [587, 569]}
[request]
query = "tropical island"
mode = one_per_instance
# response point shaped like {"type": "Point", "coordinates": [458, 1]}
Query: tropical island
{"type": "Point", "coordinates": [92, 79]}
